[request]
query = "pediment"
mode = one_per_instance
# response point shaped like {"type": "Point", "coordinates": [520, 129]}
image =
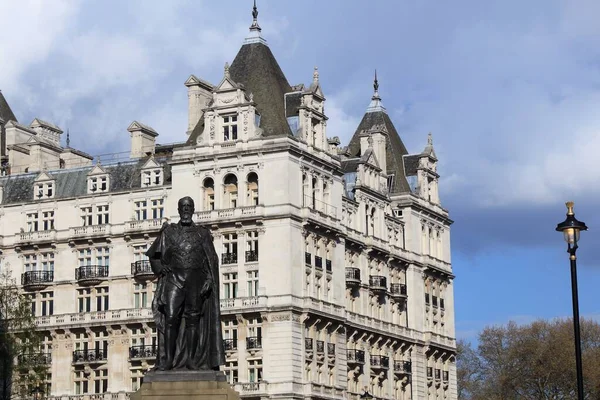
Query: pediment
{"type": "Point", "coordinates": [150, 164]}
{"type": "Point", "coordinates": [97, 170]}
{"type": "Point", "coordinates": [370, 158]}
{"type": "Point", "coordinates": [43, 176]}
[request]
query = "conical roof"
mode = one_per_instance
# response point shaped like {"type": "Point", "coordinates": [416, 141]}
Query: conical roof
{"type": "Point", "coordinates": [5, 112]}
{"type": "Point", "coordinates": [256, 68]}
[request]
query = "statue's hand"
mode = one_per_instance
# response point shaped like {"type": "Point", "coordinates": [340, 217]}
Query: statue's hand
{"type": "Point", "coordinates": [206, 289]}
{"type": "Point", "coordinates": [166, 270]}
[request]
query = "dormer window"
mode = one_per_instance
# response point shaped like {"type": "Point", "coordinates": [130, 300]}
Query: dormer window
{"type": "Point", "coordinates": [152, 177]}
{"type": "Point", "coordinates": [97, 184]}
{"type": "Point", "coordinates": [44, 190]}
{"type": "Point", "coordinates": [230, 129]}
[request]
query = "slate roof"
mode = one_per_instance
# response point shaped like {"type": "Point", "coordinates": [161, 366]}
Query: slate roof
{"type": "Point", "coordinates": [73, 182]}
{"type": "Point", "coordinates": [5, 112]}
{"type": "Point", "coordinates": [256, 68]}
{"type": "Point", "coordinates": [395, 149]}
{"type": "Point", "coordinates": [411, 163]}
{"type": "Point", "coordinates": [292, 103]}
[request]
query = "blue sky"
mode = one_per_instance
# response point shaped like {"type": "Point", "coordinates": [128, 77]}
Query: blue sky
{"type": "Point", "coordinates": [510, 91]}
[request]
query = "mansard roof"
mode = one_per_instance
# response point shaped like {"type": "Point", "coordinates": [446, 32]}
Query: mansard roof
{"type": "Point", "coordinates": [6, 113]}
{"type": "Point", "coordinates": [257, 69]}
{"type": "Point", "coordinates": [380, 121]}
{"type": "Point", "coordinates": [72, 183]}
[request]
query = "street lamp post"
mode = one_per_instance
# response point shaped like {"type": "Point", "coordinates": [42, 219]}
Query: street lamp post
{"type": "Point", "coordinates": [37, 393]}
{"type": "Point", "coordinates": [571, 228]}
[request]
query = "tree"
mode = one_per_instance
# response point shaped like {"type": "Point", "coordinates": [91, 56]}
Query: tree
{"type": "Point", "coordinates": [20, 369]}
{"type": "Point", "coordinates": [529, 362]}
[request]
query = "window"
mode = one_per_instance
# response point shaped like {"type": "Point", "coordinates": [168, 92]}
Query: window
{"type": "Point", "coordinates": [142, 294]}
{"type": "Point", "coordinates": [252, 246]}
{"type": "Point", "coordinates": [252, 277]}
{"type": "Point", "coordinates": [44, 190]}
{"type": "Point", "coordinates": [137, 378]}
{"type": "Point", "coordinates": [102, 214]}
{"type": "Point", "coordinates": [139, 252]}
{"type": "Point", "coordinates": [390, 182]}
{"type": "Point", "coordinates": [100, 381]}
{"type": "Point", "coordinates": [47, 261]}
{"type": "Point", "coordinates": [85, 257]}
{"type": "Point", "coordinates": [209, 194]}
{"type": "Point", "coordinates": [86, 216]}
{"type": "Point", "coordinates": [47, 303]}
{"type": "Point", "coordinates": [143, 212]}
{"type": "Point", "coordinates": [102, 256]}
{"type": "Point", "coordinates": [230, 248]}
{"type": "Point", "coordinates": [30, 262]}
{"type": "Point", "coordinates": [230, 128]}
{"type": "Point", "coordinates": [252, 191]}
{"type": "Point", "coordinates": [32, 222]}
{"type": "Point", "coordinates": [98, 184]}
{"type": "Point", "coordinates": [81, 383]}
{"type": "Point", "coordinates": [230, 284]}
{"type": "Point", "coordinates": [231, 371]}
{"type": "Point", "coordinates": [100, 296]}
{"type": "Point", "coordinates": [157, 208]}
{"type": "Point", "coordinates": [230, 334]}
{"type": "Point", "coordinates": [47, 220]}
{"type": "Point", "coordinates": [254, 328]}
{"type": "Point", "coordinates": [255, 370]}
{"type": "Point", "coordinates": [152, 177]}
{"type": "Point", "coordinates": [230, 194]}
{"type": "Point", "coordinates": [84, 300]}
{"type": "Point", "coordinates": [102, 299]}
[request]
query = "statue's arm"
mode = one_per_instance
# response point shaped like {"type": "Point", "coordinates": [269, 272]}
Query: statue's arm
{"type": "Point", "coordinates": [156, 251]}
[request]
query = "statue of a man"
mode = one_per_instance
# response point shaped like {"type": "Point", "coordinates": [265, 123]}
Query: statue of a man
{"type": "Point", "coordinates": [186, 303]}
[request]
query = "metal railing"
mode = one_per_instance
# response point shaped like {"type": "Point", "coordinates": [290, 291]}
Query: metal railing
{"type": "Point", "coordinates": [81, 356]}
{"type": "Point", "coordinates": [35, 358]}
{"type": "Point", "coordinates": [380, 362]}
{"type": "Point", "coordinates": [91, 272]}
{"type": "Point", "coordinates": [228, 258]}
{"type": "Point", "coordinates": [36, 277]}
{"type": "Point", "coordinates": [320, 206]}
{"type": "Point", "coordinates": [398, 289]}
{"type": "Point", "coordinates": [253, 342]}
{"type": "Point", "coordinates": [251, 256]}
{"type": "Point", "coordinates": [403, 367]}
{"type": "Point", "coordinates": [356, 356]}
{"type": "Point", "coordinates": [230, 344]}
{"type": "Point", "coordinates": [378, 282]}
{"type": "Point", "coordinates": [142, 267]}
{"type": "Point", "coordinates": [353, 274]}
{"type": "Point", "coordinates": [143, 351]}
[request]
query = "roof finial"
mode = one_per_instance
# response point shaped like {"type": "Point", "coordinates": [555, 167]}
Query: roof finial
{"type": "Point", "coordinates": [316, 75]}
{"type": "Point", "coordinates": [376, 88]}
{"type": "Point", "coordinates": [68, 138]}
{"type": "Point", "coordinates": [429, 139]}
{"type": "Point", "coordinates": [254, 26]}
{"type": "Point", "coordinates": [226, 69]}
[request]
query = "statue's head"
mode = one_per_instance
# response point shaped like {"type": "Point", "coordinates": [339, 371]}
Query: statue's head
{"type": "Point", "coordinates": [185, 206]}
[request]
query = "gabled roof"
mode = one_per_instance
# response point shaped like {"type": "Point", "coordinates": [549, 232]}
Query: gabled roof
{"type": "Point", "coordinates": [43, 176]}
{"type": "Point", "coordinates": [138, 126]}
{"type": "Point", "coordinates": [40, 123]}
{"type": "Point", "coordinates": [193, 80]}
{"type": "Point", "coordinates": [151, 163]}
{"type": "Point", "coordinates": [257, 69]}
{"type": "Point", "coordinates": [6, 113]}
{"type": "Point", "coordinates": [97, 170]}
{"type": "Point", "coordinates": [395, 149]}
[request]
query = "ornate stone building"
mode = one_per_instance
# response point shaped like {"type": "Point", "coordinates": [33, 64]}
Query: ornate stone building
{"type": "Point", "coordinates": [335, 261]}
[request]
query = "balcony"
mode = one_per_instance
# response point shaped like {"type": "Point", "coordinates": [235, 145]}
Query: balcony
{"type": "Point", "coordinates": [251, 256]}
{"type": "Point", "coordinates": [144, 225]}
{"type": "Point", "coordinates": [35, 358]}
{"type": "Point", "coordinates": [398, 291]}
{"type": "Point", "coordinates": [253, 342]}
{"type": "Point", "coordinates": [36, 280]}
{"type": "Point", "coordinates": [352, 276]}
{"type": "Point", "coordinates": [142, 352]}
{"type": "Point", "coordinates": [228, 258]}
{"type": "Point", "coordinates": [142, 269]}
{"type": "Point", "coordinates": [230, 344]}
{"type": "Point", "coordinates": [378, 283]}
{"type": "Point", "coordinates": [89, 231]}
{"type": "Point", "coordinates": [320, 347]}
{"type": "Point", "coordinates": [328, 266]}
{"type": "Point", "coordinates": [380, 362]}
{"type": "Point", "coordinates": [402, 367]}
{"type": "Point", "coordinates": [355, 356]}
{"type": "Point", "coordinates": [230, 214]}
{"type": "Point", "coordinates": [36, 237]}
{"type": "Point", "coordinates": [91, 274]}
{"type": "Point", "coordinates": [89, 356]}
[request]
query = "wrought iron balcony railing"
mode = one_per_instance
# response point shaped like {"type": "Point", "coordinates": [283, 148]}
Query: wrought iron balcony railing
{"type": "Point", "coordinates": [253, 342]}
{"type": "Point", "coordinates": [377, 282]}
{"type": "Point", "coordinates": [93, 355]}
{"type": "Point", "coordinates": [328, 266]}
{"type": "Point", "coordinates": [35, 358]}
{"type": "Point", "coordinates": [141, 267]}
{"type": "Point", "coordinates": [382, 362]}
{"type": "Point", "coordinates": [228, 258]}
{"type": "Point", "coordinates": [352, 275]}
{"type": "Point", "coordinates": [230, 344]}
{"type": "Point", "coordinates": [318, 262]}
{"type": "Point", "coordinates": [36, 277]}
{"type": "Point", "coordinates": [251, 256]}
{"type": "Point", "coordinates": [91, 272]}
{"type": "Point", "coordinates": [398, 289]}
{"type": "Point", "coordinates": [356, 356]}
{"type": "Point", "coordinates": [402, 367]}
{"type": "Point", "coordinates": [143, 351]}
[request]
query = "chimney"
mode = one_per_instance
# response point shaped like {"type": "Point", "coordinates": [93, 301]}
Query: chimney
{"type": "Point", "coordinates": [199, 95]}
{"type": "Point", "coordinates": [143, 139]}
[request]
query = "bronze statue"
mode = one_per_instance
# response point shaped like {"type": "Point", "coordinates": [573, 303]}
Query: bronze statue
{"type": "Point", "coordinates": [186, 303]}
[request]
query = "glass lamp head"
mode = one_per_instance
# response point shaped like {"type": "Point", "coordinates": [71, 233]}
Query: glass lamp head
{"type": "Point", "coordinates": [571, 227]}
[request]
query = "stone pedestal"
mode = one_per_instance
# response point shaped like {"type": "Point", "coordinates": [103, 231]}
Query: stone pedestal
{"type": "Point", "coordinates": [185, 385]}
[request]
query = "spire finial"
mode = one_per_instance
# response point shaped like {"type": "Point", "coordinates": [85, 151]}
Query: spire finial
{"type": "Point", "coordinates": [254, 26]}
{"type": "Point", "coordinates": [68, 138]}
{"type": "Point", "coordinates": [226, 69]}
{"type": "Point", "coordinates": [376, 88]}
{"type": "Point", "coordinates": [429, 139]}
{"type": "Point", "coordinates": [316, 75]}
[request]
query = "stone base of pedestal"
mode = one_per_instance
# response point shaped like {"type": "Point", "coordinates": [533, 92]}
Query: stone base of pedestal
{"type": "Point", "coordinates": [185, 385]}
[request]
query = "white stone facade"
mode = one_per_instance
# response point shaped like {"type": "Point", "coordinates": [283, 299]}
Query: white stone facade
{"type": "Point", "coordinates": [325, 292]}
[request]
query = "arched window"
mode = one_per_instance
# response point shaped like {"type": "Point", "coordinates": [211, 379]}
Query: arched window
{"type": "Point", "coordinates": [314, 193]}
{"type": "Point", "coordinates": [305, 191]}
{"type": "Point", "coordinates": [252, 191]}
{"type": "Point", "coordinates": [372, 221]}
{"type": "Point", "coordinates": [209, 194]}
{"type": "Point", "coordinates": [366, 220]}
{"type": "Point", "coordinates": [230, 191]}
